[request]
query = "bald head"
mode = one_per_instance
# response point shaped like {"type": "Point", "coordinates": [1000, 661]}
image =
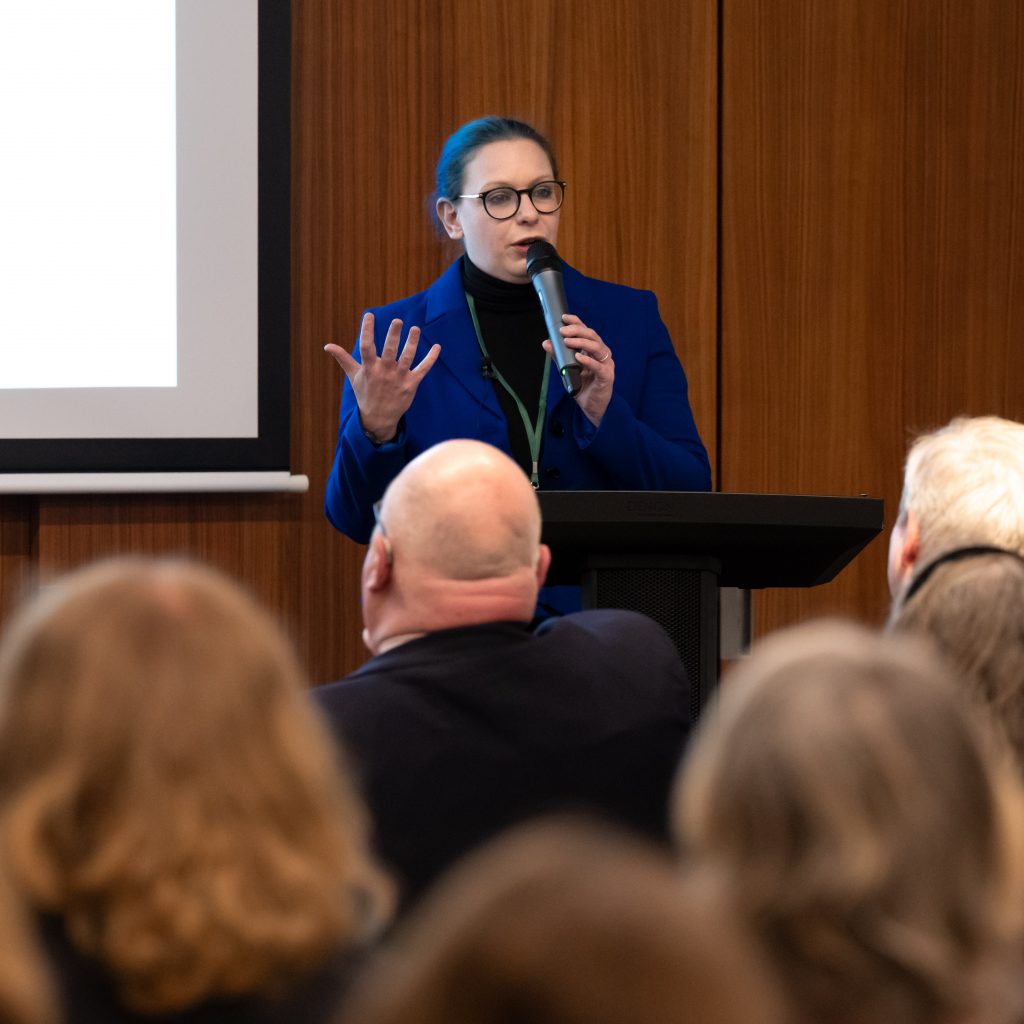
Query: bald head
{"type": "Point", "coordinates": [460, 546]}
{"type": "Point", "coordinates": [463, 510]}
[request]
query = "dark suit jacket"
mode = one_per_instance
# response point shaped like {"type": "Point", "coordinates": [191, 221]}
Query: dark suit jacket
{"type": "Point", "coordinates": [460, 733]}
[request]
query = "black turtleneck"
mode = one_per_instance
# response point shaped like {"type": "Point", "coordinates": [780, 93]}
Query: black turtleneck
{"type": "Point", "coordinates": [512, 323]}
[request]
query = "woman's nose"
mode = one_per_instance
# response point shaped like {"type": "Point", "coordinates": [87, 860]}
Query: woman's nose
{"type": "Point", "coordinates": [527, 212]}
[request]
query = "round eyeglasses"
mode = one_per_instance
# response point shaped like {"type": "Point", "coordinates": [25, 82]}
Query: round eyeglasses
{"type": "Point", "coordinates": [503, 202]}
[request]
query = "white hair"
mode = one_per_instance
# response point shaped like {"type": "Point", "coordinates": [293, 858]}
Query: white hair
{"type": "Point", "coordinates": [964, 483]}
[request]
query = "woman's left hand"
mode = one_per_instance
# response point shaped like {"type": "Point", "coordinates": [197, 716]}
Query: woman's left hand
{"type": "Point", "coordinates": [598, 366]}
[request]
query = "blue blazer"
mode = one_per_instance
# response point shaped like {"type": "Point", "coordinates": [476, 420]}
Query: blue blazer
{"type": "Point", "coordinates": [647, 439]}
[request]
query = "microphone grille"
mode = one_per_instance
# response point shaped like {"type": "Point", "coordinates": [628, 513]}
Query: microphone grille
{"type": "Point", "coordinates": [541, 256]}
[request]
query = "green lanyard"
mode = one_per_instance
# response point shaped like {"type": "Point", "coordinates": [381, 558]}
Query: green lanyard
{"type": "Point", "coordinates": [534, 431]}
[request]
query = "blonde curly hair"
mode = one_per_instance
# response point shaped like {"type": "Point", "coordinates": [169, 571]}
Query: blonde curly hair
{"type": "Point", "coordinates": [166, 787]}
{"type": "Point", "coordinates": [26, 991]}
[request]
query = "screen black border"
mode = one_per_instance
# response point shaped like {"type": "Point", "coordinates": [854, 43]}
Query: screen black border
{"type": "Point", "coordinates": [270, 450]}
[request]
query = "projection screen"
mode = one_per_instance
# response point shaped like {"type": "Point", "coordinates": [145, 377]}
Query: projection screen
{"type": "Point", "coordinates": [144, 249]}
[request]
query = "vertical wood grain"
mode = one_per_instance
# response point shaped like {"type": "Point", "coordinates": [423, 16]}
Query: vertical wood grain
{"type": "Point", "coordinates": [251, 537]}
{"type": "Point", "coordinates": [626, 92]}
{"type": "Point", "coordinates": [17, 535]}
{"type": "Point", "coordinates": [872, 231]}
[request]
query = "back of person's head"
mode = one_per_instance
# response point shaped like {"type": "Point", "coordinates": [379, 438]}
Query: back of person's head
{"type": "Point", "coordinates": [972, 610]}
{"type": "Point", "coordinates": [559, 923]}
{"type": "Point", "coordinates": [167, 789]}
{"type": "Point", "coordinates": [463, 510]}
{"type": "Point", "coordinates": [864, 826]}
{"type": "Point", "coordinates": [964, 484]}
{"type": "Point", "coordinates": [26, 995]}
{"type": "Point", "coordinates": [457, 543]}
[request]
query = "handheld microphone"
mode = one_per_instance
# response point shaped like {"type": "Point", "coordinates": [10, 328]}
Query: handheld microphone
{"type": "Point", "coordinates": [545, 270]}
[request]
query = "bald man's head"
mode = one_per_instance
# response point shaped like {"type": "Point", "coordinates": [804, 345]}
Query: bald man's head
{"type": "Point", "coordinates": [463, 510]}
{"type": "Point", "coordinates": [459, 545]}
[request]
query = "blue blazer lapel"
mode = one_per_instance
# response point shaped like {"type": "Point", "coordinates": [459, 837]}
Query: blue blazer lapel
{"type": "Point", "coordinates": [448, 323]}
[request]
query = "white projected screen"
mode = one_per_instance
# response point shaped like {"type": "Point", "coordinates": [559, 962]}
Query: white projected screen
{"type": "Point", "coordinates": [128, 219]}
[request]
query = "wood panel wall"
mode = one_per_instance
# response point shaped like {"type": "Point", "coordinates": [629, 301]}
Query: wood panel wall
{"type": "Point", "coordinates": [872, 247]}
{"type": "Point", "coordinates": [627, 93]}
{"type": "Point", "coordinates": [844, 275]}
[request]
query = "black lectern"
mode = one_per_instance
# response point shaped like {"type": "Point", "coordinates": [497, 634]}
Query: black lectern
{"type": "Point", "coordinates": [667, 553]}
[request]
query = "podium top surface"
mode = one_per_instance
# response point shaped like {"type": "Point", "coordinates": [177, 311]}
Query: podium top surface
{"type": "Point", "coordinates": [753, 540]}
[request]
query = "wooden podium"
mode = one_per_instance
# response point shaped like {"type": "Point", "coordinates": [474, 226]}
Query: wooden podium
{"type": "Point", "coordinates": [668, 553]}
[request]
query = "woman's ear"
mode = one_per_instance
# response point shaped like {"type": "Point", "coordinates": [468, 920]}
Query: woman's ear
{"type": "Point", "coordinates": [448, 214]}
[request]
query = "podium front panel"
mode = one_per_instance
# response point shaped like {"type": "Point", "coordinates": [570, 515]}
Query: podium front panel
{"type": "Point", "coordinates": [682, 600]}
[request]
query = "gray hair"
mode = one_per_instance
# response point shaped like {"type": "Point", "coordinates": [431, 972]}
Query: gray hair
{"type": "Point", "coordinates": [965, 485]}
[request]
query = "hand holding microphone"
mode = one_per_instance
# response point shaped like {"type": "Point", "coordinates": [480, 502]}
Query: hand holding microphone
{"type": "Point", "coordinates": [545, 270]}
{"type": "Point", "coordinates": [590, 382]}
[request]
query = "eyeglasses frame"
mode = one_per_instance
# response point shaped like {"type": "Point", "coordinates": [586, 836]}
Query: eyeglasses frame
{"type": "Point", "coordinates": [520, 192]}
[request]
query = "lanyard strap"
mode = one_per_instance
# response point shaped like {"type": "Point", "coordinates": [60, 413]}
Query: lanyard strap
{"type": "Point", "coordinates": [534, 431]}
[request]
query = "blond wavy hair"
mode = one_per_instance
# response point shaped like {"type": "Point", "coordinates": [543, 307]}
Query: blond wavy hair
{"type": "Point", "coordinates": [167, 788]}
{"type": "Point", "coordinates": [26, 991]}
{"type": "Point", "coordinates": [868, 832]}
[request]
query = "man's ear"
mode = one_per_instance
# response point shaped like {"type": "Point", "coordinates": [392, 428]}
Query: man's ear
{"type": "Point", "coordinates": [904, 550]}
{"type": "Point", "coordinates": [377, 564]}
{"type": "Point", "coordinates": [448, 214]}
{"type": "Point", "coordinates": [911, 541]}
{"type": "Point", "coordinates": [543, 564]}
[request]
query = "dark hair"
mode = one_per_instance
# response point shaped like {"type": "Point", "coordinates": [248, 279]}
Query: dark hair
{"type": "Point", "coordinates": [465, 141]}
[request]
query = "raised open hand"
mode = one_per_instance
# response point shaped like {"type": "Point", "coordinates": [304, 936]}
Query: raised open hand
{"type": "Point", "coordinates": [384, 385]}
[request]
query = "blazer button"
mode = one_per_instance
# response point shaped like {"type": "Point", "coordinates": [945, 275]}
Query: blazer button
{"type": "Point", "coordinates": [557, 428]}
{"type": "Point", "coordinates": [553, 474]}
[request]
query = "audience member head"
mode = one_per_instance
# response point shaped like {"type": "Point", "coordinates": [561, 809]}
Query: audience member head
{"type": "Point", "coordinates": [566, 923]}
{"type": "Point", "coordinates": [457, 544]}
{"type": "Point", "coordinates": [963, 485]}
{"type": "Point", "coordinates": [25, 991]}
{"type": "Point", "coordinates": [167, 790]}
{"type": "Point", "coordinates": [865, 829]}
{"type": "Point", "coordinates": [971, 607]}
